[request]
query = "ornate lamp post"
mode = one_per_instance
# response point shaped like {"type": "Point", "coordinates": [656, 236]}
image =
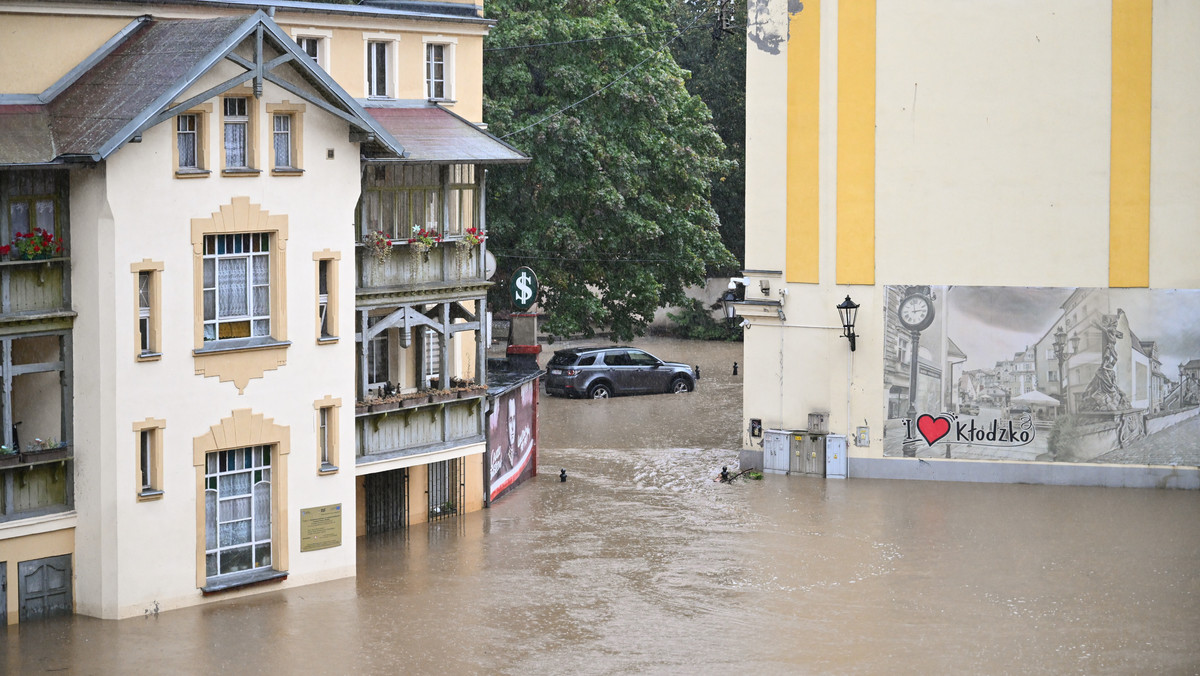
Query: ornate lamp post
{"type": "Point", "coordinates": [1061, 354]}
{"type": "Point", "coordinates": [848, 310]}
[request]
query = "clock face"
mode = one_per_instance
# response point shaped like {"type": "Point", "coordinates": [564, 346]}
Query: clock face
{"type": "Point", "coordinates": [915, 313]}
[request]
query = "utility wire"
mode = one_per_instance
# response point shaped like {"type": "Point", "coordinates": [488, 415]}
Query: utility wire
{"type": "Point", "coordinates": [572, 42]}
{"type": "Point", "coordinates": [582, 258]}
{"type": "Point", "coordinates": [620, 77]}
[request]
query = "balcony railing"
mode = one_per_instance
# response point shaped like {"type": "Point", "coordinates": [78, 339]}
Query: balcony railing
{"type": "Point", "coordinates": [434, 421]}
{"type": "Point", "coordinates": [443, 264]}
{"type": "Point", "coordinates": [33, 287]}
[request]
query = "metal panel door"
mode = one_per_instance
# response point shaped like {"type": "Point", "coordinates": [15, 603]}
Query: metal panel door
{"type": "Point", "coordinates": [387, 501]}
{"type": "Point", "coordinates": [44, 587]}
{"type": "Point", "coordinates": [776, 453]}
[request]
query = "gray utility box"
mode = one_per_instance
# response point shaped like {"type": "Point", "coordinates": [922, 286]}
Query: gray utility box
{"type": "Point", "coordinates": [777, 451]}
{"type": "Point", "coordinates": [835, 456]}
{"type": "Point", "coordinates": [808, 454]}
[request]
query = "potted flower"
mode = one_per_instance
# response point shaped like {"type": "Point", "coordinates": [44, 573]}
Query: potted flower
{"type": "Point", "coordinates": [471, 239]}
{"type": "Point", "coordinates": [422, 240]}
{"type": "Point", "coordinates": [44, 450]}
{"type": "Point", "coordinates": [36, 245]}
{"type": "Point", "coordinates": [379, 246]}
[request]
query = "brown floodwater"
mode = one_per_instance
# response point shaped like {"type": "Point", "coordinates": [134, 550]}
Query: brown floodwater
{"type": "Point", "coordinates": [641, 563]}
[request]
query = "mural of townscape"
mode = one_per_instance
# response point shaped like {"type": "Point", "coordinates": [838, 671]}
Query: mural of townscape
{"type": "Point", "coordinates": [1043, 374]}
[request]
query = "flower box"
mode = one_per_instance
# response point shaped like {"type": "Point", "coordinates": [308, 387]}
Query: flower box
{"type": "Point", "coordinates": [412, 401]}
{"type": "Point", "coordinates": [442, 396]}
{"type": "Point", "coordinates": [361, 408]}
{"type": "Point", "coordinates": [10, 459]}
{"type": "Point", "coordinates": [381, 406]}
{"type": "Point", "coordinates": [31, 456]}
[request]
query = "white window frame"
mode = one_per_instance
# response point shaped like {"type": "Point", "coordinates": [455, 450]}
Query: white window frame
{"type": "Point", "coordinates": [323, 39]}
{"type": "Point", "coordinates": [193, 134]}
{"type": "Point", "coordinates": [379, 349]}
{"type": "Point", "coordinates": [213, 243]}
{"type": "Point", "coordinates": [323, 434]}
{"type": "Point", "coordinates": [146, 459]}
{"type": "Point", "coordinates": [388, 42]}
{"type": "Point", "coordinates": [242, 120]}
{"type": "Point", "coordinates": [238, 461]}
{"type": "Point", "coordinates": [448, 45]}
{"type": "Point", "coordinates": [431, 357]}
{"type": "Point", "coordinates": [145, 308]}
{"type": "Point", "coordinates": [324, 266]}
{"type": "Point", "coordinates": [288, 162]}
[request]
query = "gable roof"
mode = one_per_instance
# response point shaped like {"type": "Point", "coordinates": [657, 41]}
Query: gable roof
{"type": "Point", "coordinates": [135, 81]}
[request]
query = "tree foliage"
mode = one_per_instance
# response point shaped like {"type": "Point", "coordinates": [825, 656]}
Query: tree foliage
{"type": "Point", "coordinates": [614, 211]}
{"type": "Point", "coordinates": [716, 60]}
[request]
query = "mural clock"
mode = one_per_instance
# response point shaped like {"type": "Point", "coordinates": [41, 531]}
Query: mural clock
{"type": "Point", "coordinates": [916, 312]}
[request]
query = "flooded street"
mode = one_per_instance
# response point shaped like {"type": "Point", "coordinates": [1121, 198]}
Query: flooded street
{"type": "Point", "coordinates": [642, 563]}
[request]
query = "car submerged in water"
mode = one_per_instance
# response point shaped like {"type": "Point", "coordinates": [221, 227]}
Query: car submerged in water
{"type": "Point", "coordinates": [603, 372]}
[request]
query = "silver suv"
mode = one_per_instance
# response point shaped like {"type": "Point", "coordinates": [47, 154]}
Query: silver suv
{"type": "Point", "coordinates": [603, 372]}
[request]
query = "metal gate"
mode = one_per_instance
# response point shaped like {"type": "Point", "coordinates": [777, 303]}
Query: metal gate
{"type": "Point", "coordinates": [44, 587]}
{"type": "Point", "coordinates": [447, 490]}
{"type": "Point", "coordinates": [387, 501]}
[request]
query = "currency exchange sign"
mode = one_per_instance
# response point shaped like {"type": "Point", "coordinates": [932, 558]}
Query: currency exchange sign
{"type": "Point", "coordinates": [523, 288]}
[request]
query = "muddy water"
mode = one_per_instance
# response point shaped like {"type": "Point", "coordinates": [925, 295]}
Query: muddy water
{"type": "Point", "coordinates": [640, 563]}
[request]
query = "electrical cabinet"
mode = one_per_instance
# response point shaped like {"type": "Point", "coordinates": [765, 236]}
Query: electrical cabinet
{"type": "Point", "coordinates": [835, 456]}
{"type": "Point", "coordinates": [777, 451]}
{"type": "Point", "coordinates": [808, 454]}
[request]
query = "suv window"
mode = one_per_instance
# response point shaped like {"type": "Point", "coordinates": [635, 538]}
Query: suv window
{"type": "Point", "coordinates": [618, 359]}
{"type": "Point", "coordinates": [587, 361]}
{"type": "Point", "coordinates": [641, 359]}
{"type": "Point", "coordinates": [562, 359]}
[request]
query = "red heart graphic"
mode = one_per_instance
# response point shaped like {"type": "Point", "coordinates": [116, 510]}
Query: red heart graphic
{"type": "Point", "coordinates": [933, 428]}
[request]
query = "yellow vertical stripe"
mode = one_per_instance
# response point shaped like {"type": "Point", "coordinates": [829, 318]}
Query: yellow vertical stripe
{"type": "Point", "coordinates": [803, 113]}
{"type": "Point", "coordinates": [1129, 192]}
{"type": "Point", "coordinates": [856, 143]}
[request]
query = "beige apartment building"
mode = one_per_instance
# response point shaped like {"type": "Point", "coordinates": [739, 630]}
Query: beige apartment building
{"type": "Point", "coordinates": [982, 180]}
{"type": "Point", "coordinates": [222, 359]}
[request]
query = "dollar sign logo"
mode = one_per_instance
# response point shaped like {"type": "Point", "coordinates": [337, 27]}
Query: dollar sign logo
{"type": "Point", "coordinates": [524, 293]}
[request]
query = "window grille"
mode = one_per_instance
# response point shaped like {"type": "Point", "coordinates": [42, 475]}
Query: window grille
{"type": "Point", "coordinates": [435, 71]}
{"type": "Point", "coordinates": [283, 141]}
{"type": "Point", "coordinates": [186, 137]}
{"type": "Point", "coordinates": [237, 510]}
{"type": "Point", "coordinates": [446, 489]}
{"type": "Point", "coordinates": [237, 286]}
{"type": "Point", "coordinates": [236, 123]}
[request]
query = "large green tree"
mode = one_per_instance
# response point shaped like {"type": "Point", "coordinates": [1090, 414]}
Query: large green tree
{"type": "Point", "coordinates": [614, 211]}
{"type": "Point", "coordinates": [716, 58]}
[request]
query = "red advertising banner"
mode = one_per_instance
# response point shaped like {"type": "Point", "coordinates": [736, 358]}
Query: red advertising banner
{"type": "Point", "coordinates": [512, 438]}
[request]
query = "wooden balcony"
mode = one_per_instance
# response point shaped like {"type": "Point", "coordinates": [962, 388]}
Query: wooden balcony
{"type": "Point", "coordinates": [34, 289]}
{"type": "Point", "coordinates": [436, 421]}
{"type": "Point", "coordinates": [445, 265]}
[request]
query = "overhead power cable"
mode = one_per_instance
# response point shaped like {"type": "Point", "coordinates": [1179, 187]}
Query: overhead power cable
{"type": "Point", "coordinates": [536, 45]}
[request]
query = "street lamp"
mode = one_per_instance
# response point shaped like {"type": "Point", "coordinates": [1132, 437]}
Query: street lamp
{"type": "Point", "coordinates": [848, 309]}
{"type": "Point", "coordinates": [1060, 353]}
{"type": "Point", "coordinates": [727, 302]}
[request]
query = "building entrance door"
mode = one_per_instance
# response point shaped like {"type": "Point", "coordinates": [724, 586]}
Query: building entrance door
{"type": "Point", "coordinates": [387, 501]}
{"type": "Point", "coordinates": [44, 587]}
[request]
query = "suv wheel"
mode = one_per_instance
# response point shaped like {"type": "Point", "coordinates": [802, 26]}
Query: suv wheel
{"type": "Point", "coordinates": [600, 391]}
{"type": "Point", "coordinates": [680, 386]}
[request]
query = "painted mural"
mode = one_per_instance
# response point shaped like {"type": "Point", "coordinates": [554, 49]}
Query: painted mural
{"type": "Point", "coordinates": [512, 439]}
{"type": "Point", "coordinates": [1043, 374]}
